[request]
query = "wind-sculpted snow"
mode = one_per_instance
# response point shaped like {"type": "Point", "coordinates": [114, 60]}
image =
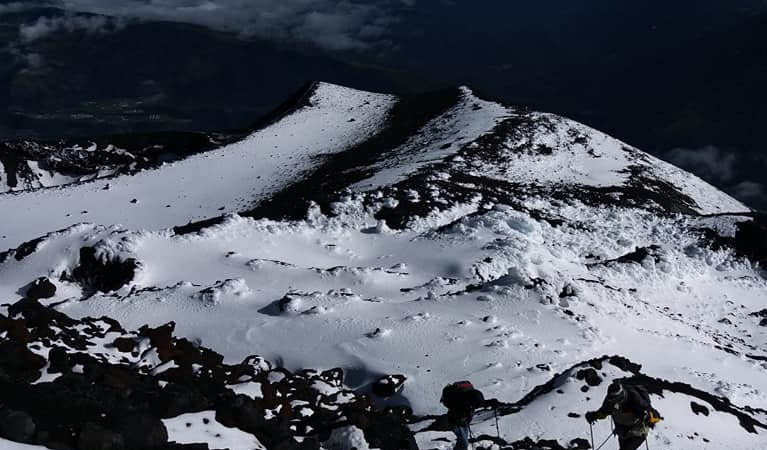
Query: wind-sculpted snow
{"type": "Point", "coordinates": [514, 257]}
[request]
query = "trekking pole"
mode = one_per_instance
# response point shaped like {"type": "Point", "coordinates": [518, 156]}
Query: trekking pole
{"type": "Point", "coordinates": [604, 442]}
{"type": "Point", "coordinates": [497, 428]}
{"type": "Point", "coordinates": [591, 429]}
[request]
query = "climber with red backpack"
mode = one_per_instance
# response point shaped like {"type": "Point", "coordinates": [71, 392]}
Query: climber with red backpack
{"type": "Point", "coordinates": [461, 399]}
{"type": "Point", "coordinates": [631, 411]}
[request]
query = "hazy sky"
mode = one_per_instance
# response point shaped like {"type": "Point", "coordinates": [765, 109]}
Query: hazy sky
{"type": "Point", "coordinates": [356, 24]}
{"type": "Point", "coordinates": [329, 24]}
{"type": "Point", "coordinates": [373, 25]}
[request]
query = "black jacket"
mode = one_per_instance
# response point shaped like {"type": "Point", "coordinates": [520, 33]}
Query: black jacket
{"type": "Point", "coordinates": [461, 405]}
{"type": "Point", "coordinates": [628, 415]}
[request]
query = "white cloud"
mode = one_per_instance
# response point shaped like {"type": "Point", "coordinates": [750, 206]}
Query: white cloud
{"type": "Point", "coordinates": [45, 26]}
{"type": "Point", "coordinates": [750, 190]}
{"type": "Point", "coordinates": [330, 24]}
{"type": "Point", "coordinates": [12, 7]}
{"type": "Point", "coordinates": [707, 162]}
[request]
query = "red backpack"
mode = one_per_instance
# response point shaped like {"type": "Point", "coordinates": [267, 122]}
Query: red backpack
{"type": "Point", "coordinates": [461, 394]}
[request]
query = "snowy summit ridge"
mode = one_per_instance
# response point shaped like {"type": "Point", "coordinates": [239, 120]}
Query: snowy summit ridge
{"type": "Point", "coordinates": [438, 237]}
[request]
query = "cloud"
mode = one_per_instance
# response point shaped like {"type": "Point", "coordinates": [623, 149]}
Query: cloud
{"type": "Point", "coordinates": [750, 190]}
{"type": "Point", "coordinates": [726, 170]}
{"type": "Point", "coordinates": [12, 7]}
{"type": "Point", "coordinates": [708, 162]}
{"type": "Point", "coordinates": [329, 24]}
{"type": "Point", "coordinates": [45, 26]}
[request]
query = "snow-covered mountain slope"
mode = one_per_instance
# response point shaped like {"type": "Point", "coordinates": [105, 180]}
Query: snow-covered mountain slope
{"type": "Point", "coordinates": [441, 237]}
{"type": "Point", "coordinates": [227, 179]}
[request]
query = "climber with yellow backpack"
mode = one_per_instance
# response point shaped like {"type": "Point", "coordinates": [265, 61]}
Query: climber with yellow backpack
{"type": "Point", "coordinates": [631, 411]}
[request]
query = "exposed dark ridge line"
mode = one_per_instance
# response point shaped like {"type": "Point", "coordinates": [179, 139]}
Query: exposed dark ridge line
{"type": "Point", "coordinates": [503, 408]}
{"type": "Point", "coordinates": [408, 115]}
{"type": "Point", "coordinates": [149, 148]}
{"type": "Point", "coordinates": [28, 247]}
{"type": "Point", "coordinates": [753, 214]}
{"type": "Point", "coordinates": [297, 100]}
{"type": "Point", "coordinates": [638, 255]}
{"type": "Point", "coordinates": [721, 404]}
{"type": "Point", "coordinates": [641, 191]}
{"type": "Point", "coordinates": [194, 227]}
{"type": "Point", "coordinates": [555, 381]}
{"type": "Point", "coordinates": [653, 385]}
{"type": "Point", "coordinates": [176, 140]}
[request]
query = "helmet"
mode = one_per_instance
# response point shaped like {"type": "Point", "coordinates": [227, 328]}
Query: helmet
{"type": "Point", "coordinates": [616, 393]}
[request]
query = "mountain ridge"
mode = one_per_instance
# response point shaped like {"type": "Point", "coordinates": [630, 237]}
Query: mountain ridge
{"type": "Point", "coordinates": [420, 241]}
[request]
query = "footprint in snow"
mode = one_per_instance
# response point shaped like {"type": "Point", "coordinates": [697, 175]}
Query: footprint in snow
{"type": "Point", "coordinates": [378, 333]}
{"type": "Point", "coordinates": [418, 317]}
{"type": "Point", "coordinates": [497, 343]}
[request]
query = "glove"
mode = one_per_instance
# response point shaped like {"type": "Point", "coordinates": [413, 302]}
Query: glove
{"type": "Point", "coordinates": [591, 416]}
{"type": "Point", "coordinates": [652, 419]}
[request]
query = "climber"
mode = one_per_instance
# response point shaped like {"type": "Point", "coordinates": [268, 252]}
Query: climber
{"type": "Point", "coordinates": [632, 413]}
{"type": "Point", "coordinates": [461, 399]}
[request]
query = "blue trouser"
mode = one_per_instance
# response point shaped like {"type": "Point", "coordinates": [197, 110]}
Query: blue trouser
{"type": "Point", "coordinates": [461, 437]}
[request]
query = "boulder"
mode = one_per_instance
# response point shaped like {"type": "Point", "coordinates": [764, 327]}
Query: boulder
{"type": "Point", "coordinates": [388, 385]}
{"type": "Point", "coordinates": [17, 426]}
{"type": "Point", "coordinates": [95, 437]}
{"type": "Point", "coordinates": [58, 361]}
{"type": "Point", "coordinates": [142, 431]}
{"type": "Point", "coordinates": [103, 275]}
{"type": "Point", "coordinates": [591, 377]}
{"type": "Point", "coordinates": [41, 288]}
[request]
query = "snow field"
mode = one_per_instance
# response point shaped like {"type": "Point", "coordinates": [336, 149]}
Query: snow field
{"type": "Point", "coordinates": [397, 302]}
{"type": "Point", "coordinates": [228, 179]}
{"type": "Point", "coordinates": [476, 290]}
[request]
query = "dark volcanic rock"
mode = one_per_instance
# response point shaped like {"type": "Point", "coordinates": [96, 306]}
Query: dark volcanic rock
{"type": "Point", "coordinates": [388, 385]}
{"type": "Point", "coordinates": [125, 345]}
{"type": "Point", "coordinates": [763, 315]}
{"type": "Point", "coordinates": [41, 288]}
{"type": "Point", "coordinates": [385, 430]}
{"type": "Point", "coordinates": [95, 437]}
{"type": "Point", "coordinates": [19, 363]}
{"type": "Point", "coordinates": [697, 408]}
{"type": "Point", "coordinates": [17, 426]}
{"type": "Point", "coordinates": [142, 431]}
{"type": "Point", "coordinates": [114, 397]}
{"type": "Point", "coordinates": [103, 275]}
{"type": "Point", "coordinates": [638, 256]}
{"type": "Point", "coordinates": [591, 377]}
{"type": "Point", "coordinates": [59, 361]}
{"type": "Point", "coordinates": [750, 239]}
